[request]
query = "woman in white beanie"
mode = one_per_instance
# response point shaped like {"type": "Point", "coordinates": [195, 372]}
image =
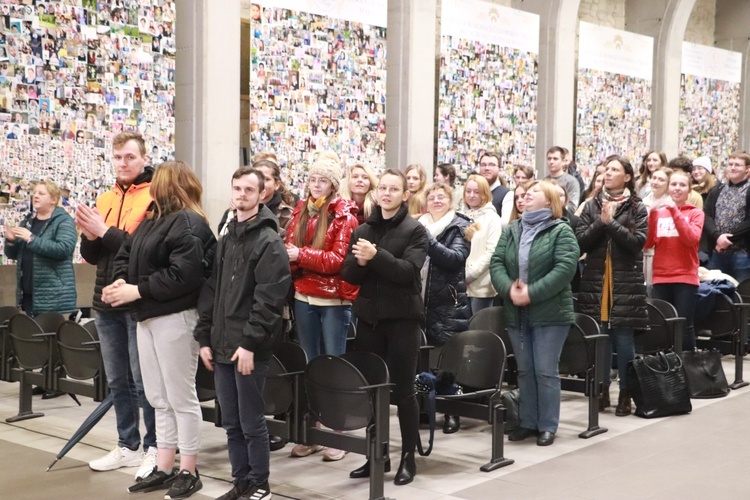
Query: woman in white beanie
{"type": "Point", "coordinates": [317, 240]}
{"type": "Point", "coordinates": [703, 175]}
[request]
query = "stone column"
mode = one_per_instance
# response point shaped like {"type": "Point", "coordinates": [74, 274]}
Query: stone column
{"type": "Point", "coordinates": [556, 103]}
{"type": "Point", "coordinates": [410, 86]}
{"type": "Point", "coordinates": [207, 89]}
{"type": "Point", "coordinates": [666, 21]}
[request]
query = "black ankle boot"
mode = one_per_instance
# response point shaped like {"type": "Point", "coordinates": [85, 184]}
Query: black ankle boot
{"type": "Point", "coordinates": [406, 470]}
{"type": "Point", "coordinates": [364, 471]}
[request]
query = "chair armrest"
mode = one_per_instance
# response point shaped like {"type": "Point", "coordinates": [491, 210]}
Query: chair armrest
{"type": "Point", "coordinates": [473, 394]}
{"type": "Point", "coordinates": [596, 338]}
{"type": "Point", "coordinates": [376, 386]}
{"type": "Point", "coordinates": [430, 347]}
{"type": "Point", "coordinates": [290, 374]}
{"type": "Point", "coordinates": [91, 342]}
{"type": "Point", "coordinates": [45, 334]}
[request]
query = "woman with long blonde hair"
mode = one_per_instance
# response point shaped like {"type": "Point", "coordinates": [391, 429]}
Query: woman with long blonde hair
{"type": "Point", "coordinates": [359, 186]}
{"type": "Point", "coordinates": [160, 270]}
{"type": "Point", "coordinates": [416, 181]}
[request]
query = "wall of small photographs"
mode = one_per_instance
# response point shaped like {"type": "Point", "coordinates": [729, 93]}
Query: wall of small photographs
{"type": "Point", "coordinates": [317, 82]}
{"type": "Point", "coordinates": [487, 103]}
{"type": "Point", "coordinates": [487, 85]}
{"type": "Point", "coordinates": [74, 73]}
{"type": "Point", "coordinates": [710, 103]}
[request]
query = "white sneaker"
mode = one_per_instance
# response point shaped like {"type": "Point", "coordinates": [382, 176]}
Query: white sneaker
{"type": "Point", "coordinates": [148, 464]}
{"type": "Point", "coordinates": [119, 457]}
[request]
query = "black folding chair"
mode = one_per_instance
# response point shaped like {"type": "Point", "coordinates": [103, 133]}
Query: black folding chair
{"type": "Point", "coordinates": [349, 393]}
{"type": "Point", "coordinates": [206, 391]}
{"type": "Point", "coordinates": [35, 356]}
{"type": "Point", "coordinates": [283, 394]}
{"type": "Point", "coordinates": [81, 360]}
{"type": "Point", "coordinates": [664, 330]}
{"type": "Point", "coordinates": [583, 354]}
{"type": "Point", "coordinates": [491, 319]}
{"type": "Point", "coordinates": [477, 358]}
{"type": "Point", "coordinates": [6, 351]}
{"type": "Point", "coordinates": [726, 330]}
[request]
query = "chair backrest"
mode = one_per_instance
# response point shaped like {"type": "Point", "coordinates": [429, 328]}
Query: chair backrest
{"type": "Point", "coordinates": [477, 357]}
{"type": "Point", "coordinates": [278, 393]}
{"type": "Point", "coordinates": [723, 321]}
{"type": "Point", "coordinates": [370, 365]}
{"type": "Point", "coordinates": [6, 312]}
{"type": "Point", "coordinates": [80, 359]}
{"type": "Point", "coordinates": [204, 383]}
{"type": "Point", "coordinates": [49, 321]}
{"type": "Point", "coordinates": [334, 394]}
{"type": "Point", "coordinates": [743, 289]}
{"type": "Point", "coordinates": [291, 355]}
{"type": "Point", "coordinates": [90, 327]}
{"type": "Point", "coordinates": [658, 336]}
{"type": "Point", "coordinates": [491, 319]}
{"type": "Point", "coordinates": [576, 356]}
{"type": "Point", "coordinates": [31, 352]}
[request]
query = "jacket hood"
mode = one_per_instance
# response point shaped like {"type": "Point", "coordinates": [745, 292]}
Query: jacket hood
{"type": "Point", "coordinates": [142, 178]}
{"type": "Point", "coordinates": [484, 209]}
{"type": "Point", "coordinates": [264, 218]}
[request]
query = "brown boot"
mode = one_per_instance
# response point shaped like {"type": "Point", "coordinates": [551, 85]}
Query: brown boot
{"type": "Point", "coordinates": [623, 404]}
{"type": "Point", "coordinates": [604, 400]}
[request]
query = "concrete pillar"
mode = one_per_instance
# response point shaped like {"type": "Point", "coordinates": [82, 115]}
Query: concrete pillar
{"type": "Point", "coordinates": [732, 20]}
{"type": "Point", "coordinates": [666, 21]}
{"type": "Point", "coordinates": [207, 88]}
{"type": "Point", "coordinates": [410, 87]}
{"type": "Point", "coordinates": [556, 103]}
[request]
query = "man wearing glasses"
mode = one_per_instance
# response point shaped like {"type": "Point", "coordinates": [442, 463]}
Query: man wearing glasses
{"type": "Point", "coordinates": [489, 167]}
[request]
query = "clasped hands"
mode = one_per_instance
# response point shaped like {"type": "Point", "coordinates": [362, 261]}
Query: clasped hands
{"type": "Point", "coordinates": [13, 233]}
{"type": "Point", "coordinates": [519, 293]}
{"type": "Point", "coordinates": [120, 293]}
{"type": "Point", "coordinates": [364, 251]}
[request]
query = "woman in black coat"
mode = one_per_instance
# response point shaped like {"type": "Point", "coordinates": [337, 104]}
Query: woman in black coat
{"type": "Point", "coordinates": [612, 232]}
{"type": "Point", "coordinates": [385, 257]}
{"type": "Point", "coordinates": [446, 304]}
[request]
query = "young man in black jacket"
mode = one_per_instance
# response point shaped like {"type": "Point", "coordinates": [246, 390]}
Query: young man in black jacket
{"type": "Point", "coordinates": [241, 308]}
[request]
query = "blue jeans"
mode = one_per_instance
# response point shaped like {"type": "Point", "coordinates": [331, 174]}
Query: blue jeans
{"type": "Point", "coordinates": [683, 297]}
{"type": "Point", "coordinates": [538, 358]}
{"type": "Point", "coordinates": [242, 416]}
{"type": "Point", "coordinates": [624, 346]}
{"type": "Point", "coordinates": [117, 334]}
{"type": "Point", "coordinates": [479, 303]}
{"type": "Point", "coordinates": [736, 265]}
{"type": "Point", "coordinates": [322, 329]}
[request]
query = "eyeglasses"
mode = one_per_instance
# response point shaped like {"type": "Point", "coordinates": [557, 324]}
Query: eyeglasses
{"type": "Point", "coordinates": [439, 197]}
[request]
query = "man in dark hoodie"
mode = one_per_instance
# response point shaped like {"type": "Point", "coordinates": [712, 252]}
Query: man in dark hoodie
{"type": "Point", "coordinates": [241, 308]}
{"type": "Point", "coordinates": [118, 213]}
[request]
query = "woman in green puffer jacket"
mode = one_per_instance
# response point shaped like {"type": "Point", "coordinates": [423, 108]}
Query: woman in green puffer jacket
{"type": "Point", "coordinates": [537, 304]}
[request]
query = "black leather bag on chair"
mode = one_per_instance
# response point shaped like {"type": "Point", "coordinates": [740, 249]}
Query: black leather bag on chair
{"type": "Point", "coordinates": [705, 375]}
{"type": "Point", "coordinates": [659, 385]}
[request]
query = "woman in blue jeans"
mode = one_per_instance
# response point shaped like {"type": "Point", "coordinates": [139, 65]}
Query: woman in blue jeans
{"type": "Point", "coordinates": [537, 304]}
{"type": "Point", "coordinates": [611, 232]}
{"type": "Point", "coordinates": [317, 240]}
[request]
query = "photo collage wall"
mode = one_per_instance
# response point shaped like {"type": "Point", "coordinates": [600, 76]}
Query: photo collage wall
{"type": "Point", "coordinates": [318, 83]}
{"type": "Point", "coordinates": [710, 103]}
{"type": "Point", "coordinates": [613, 97]}
{"type": "Point", "coordinates": [487, 86]}
{"type": "Point", "coordinates": [73, 74]}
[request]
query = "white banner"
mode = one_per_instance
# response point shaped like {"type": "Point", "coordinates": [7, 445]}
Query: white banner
{"type": "Point", "coordinates": [372, 12]}
{"type": "Point", "coordinates": [491, 23]}
{"type": "Point", "coordinates": [615, 51]}
{"type": "Point", "coordinates": [710, 62]}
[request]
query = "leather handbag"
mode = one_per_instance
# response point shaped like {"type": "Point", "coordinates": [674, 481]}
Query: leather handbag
{"type": "Point", "coordinates": [430, 384]}
{"type": "Point", "coordinates": [659, 385]}
{"type": "Point", "coordinates": [705, 375]}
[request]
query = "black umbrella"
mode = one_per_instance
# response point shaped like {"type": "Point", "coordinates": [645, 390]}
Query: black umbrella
{"type": "Point", "coordinates": [85, 427]}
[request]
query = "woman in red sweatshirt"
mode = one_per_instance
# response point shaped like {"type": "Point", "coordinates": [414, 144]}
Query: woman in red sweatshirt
{"type": "Point", "coordinates": [674, 231]}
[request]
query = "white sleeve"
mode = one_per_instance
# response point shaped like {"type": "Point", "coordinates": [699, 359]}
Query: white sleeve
{"type": "Point", "coordinates": [507, 207]}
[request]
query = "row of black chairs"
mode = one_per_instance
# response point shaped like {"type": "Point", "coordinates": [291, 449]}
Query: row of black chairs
{"type": "Point", "coordinates": [52, 353]}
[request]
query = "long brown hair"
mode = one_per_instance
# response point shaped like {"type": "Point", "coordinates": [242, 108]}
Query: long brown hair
{"type": "Point", "coordinates": [175, 187]}
{"type": "Point", "coordinates": [286, 195]}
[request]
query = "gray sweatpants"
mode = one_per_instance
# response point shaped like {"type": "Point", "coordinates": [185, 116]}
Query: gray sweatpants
{"type": "Point", "coordinates": [169, 359]}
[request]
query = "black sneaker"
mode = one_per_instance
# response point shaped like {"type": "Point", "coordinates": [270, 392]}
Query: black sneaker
{"type": "Point", "coordinates": [184, 485]}
{"type": "Point", "coordinates": [156, 480]}
{"type": "Point", "coordinates": [240, 488]}
{"type": "Point", "coordinates": [262, 492]}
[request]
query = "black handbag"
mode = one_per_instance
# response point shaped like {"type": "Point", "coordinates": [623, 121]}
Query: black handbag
{"type": "Point", "coordinates": [658, 385]}
{"type": "Point", "coordinates": [430, 384]}
{"type": "Point", "coordinates": [705, 375]}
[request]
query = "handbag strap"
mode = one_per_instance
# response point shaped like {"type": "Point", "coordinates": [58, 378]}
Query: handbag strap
{"type": "Point", "coordinates": [662, 355]}
{"type": "Point", "coordinates": [431, 415]}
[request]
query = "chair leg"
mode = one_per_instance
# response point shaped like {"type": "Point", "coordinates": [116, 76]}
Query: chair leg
{"type": "Point", "coordinates": [24, 402]}
{"type": "Point", "coordinates": [739, 353]}
{"type": "Point", "coordinates": [594, 393]}
{"type": "Point", "coordinates": [498, 435]}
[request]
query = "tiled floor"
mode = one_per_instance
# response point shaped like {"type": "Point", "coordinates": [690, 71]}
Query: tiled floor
{"type": "Point", "coordinates": [704, 455]}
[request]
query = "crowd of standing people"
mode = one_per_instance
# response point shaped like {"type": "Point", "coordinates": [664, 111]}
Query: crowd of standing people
{"type": "Point", "coordinates": [388, 256]}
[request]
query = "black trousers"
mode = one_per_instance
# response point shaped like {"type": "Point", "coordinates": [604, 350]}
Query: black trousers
{"type": "Point", "coordinates": [397, 342]}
